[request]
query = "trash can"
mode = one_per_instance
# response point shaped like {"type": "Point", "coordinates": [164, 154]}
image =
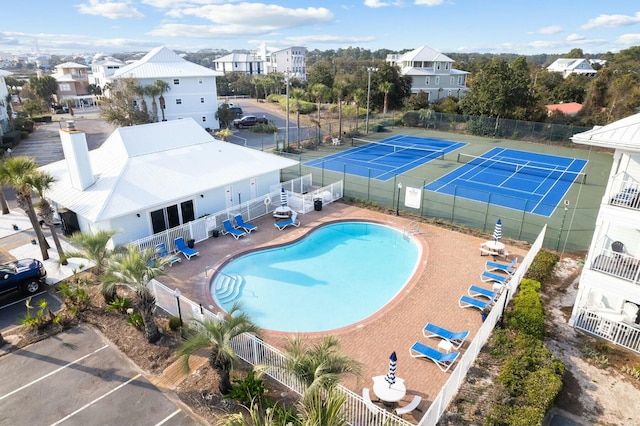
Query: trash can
{"type": "Point", "coordinates": [191, 243]}
{"type": "Point", "coordinates": [317, 204]}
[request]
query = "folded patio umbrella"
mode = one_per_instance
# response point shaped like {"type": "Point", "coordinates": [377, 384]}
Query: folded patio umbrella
{"type": "Point", "coordinates": [283, 198]}
{"type": "Point", "coordinates": [497, 231]}
{"type": "Point", "coordinates": [391, 376]}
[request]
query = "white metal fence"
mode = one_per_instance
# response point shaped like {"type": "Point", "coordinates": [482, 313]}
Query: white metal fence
{"type": "Point", "coordinates": [202, 228]}
{"type": "Point", "coordinates": [609, 326]}
{"type": "Point", "coordinates": [255, 351]}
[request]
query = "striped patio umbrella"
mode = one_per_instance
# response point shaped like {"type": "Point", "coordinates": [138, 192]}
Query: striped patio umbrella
{"type": "Point", "coordinates": [283, 198]}
{"type": "Point", "coordinates": [391, 376]}
{"type": "Point", "coordinates": [497, 231]}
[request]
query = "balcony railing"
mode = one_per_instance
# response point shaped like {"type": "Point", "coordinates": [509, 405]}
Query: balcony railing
{"type": "Point", "coordinates": [625, 193]}
{"type": "Point", "coordinates": [609, 326]}
{"type": "Point", "coordinates": [620, 265]}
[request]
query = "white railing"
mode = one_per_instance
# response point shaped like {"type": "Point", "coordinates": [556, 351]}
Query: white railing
{"type": "Point", "coordinates": [625, 192]}
{"type": "Point", "coordinates": [200, 229]}
{"type": "Point", "coordinates": [620, 265]}
{"type": "Point", "coordinates": [611, 329]}
{"type": "Point", "coordinates": [468, 358]}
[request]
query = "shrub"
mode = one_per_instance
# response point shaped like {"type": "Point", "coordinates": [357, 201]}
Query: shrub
{"type": "Point", "coordinates": [135, 319]}
{"type": "Point", "coordinates": [411, 119]}
{"type": "Point", "coordinates": [75, 296]}
{"type": "Point", "coordinates": [527, 313]}
{"type": "Point", "coordinates": [542, 266]}
{"type": "Point", "coordinates": [174, 323]}
{"type": "Point", "coordinates": [12, 138]}
{"type": "Point", "coordinates": [119, 304]}
{"type": "Point", "coordinates": [42, 119]}
{"type": "Point", "coordinates": [23, 124]}
{"type": "Point", "coordinates": [248, 390]}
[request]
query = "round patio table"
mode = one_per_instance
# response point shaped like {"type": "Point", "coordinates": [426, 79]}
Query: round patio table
{"type": "Point", "coordinates": [389, 394]}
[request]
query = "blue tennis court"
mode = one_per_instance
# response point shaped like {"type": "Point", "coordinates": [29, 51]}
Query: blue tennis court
{"type": "Point", "coordinates": [387, 158]}
{"type": "Point", "coordinates": [521, 180]}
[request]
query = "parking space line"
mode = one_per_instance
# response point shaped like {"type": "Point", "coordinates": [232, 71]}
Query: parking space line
{"type": "Point", "coordinates": [87, 405]}
{"type": "Point", "coordinates": [23, 300]}
{"type": "Point", "coordinates": [166, 419]}
{"type": "Point", "coordinates": [52, 373]}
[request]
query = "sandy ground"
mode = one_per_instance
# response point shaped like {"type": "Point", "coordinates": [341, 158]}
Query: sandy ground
{"type": "Point", "coordinates": [592, 395]}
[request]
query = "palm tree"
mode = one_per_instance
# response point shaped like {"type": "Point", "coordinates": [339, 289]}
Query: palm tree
{"type": "Point", "coordinates": [318, 366]}
{"type": "Point", "coordinates": [319, 92]}
{"type": "Point", "coordinates": [152, 91]}
{"type": "Point", "coordinates": [217, 335]}
{"type": "Point", "coordinates": [359, 97]}
{"type": "Point", "coordinates": [41, 182]}
{"type": "Point", "coordinates": [93, 247]}
{"type": "Point", "coordinates": [385, 87]}
{"type": "Point", "coordinates": [135, 268]}
{"type": "Point", "coordinates": [317, 409]}
{"type": "Point", "coordinates": [19, 172]}
{"type": "Point", "coordinates": [163, 87]}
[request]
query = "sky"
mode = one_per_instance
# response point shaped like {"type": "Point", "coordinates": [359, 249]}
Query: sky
{"type": "Point", "coordinates": [63, 27]}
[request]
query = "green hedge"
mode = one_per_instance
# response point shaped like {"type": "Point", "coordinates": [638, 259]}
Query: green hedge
{"type": "Point", "coordinates": [527, 314]}
{"type": "Point", "coordinates": [23, 124]}
{"type": "Point", "coordinates": [11, 138]}
{"type": "Point", "coordinates": [542, 266]}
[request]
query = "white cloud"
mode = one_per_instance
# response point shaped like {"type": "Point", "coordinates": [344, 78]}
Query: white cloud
{"type": "Point", "coordinates": [376, 3]}
{"type": "Point", "coordinates": [312, 39]}
{"type": "Point", "coordinates": [240, 20]}
{"type": "Point", "coordinates": [428, 2]}
{"type": "Point", "coordinates": [575, 37]}
{"type": "Point", "coordinates": [553, 29]}
{"type": "Point", "coordinates": [111, 10]}
{"type": "Point", "coordinates": [611, 21]}
{"type": "Point", "coordinates": [629, 39]}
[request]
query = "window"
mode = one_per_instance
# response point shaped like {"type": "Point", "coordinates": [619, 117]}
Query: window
{"type": "Point", "coordinates": [178, 101]}
{"type": "Point", "coordinates": [438, 65]}
{"type": "Point", "coordinates": [201, 100]}
{"type": "Point", "coordinates": [172, 216]}
{"type": "Point", "coordinates": [64, 87]}
{"type": "Point", "coordinates": [427, 80]}
{"type": "Point", "coordinates": [437, 81]}
{"type": "Point", "coordinates": [446, 66]}
{"type": "Point", "coordinates": [176, 81]}
{"type": "Point", "coordinates": [204, 118]}
{"type": "Point", "coordinates": [199, 81]}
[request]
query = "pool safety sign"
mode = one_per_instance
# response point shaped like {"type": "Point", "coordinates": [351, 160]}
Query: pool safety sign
{"type": "Point", "coordinates": [413, 197]}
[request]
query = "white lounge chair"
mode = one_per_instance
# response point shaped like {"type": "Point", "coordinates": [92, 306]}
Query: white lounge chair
{"type": "Point", "coordinates": [456, 338]}
{"type": "Point", "coordinates": [443, 360]}
{"type": "Point", "coordinates": [281, 224]}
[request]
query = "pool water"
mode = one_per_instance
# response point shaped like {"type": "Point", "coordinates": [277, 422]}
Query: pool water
{"type": "Point", "coordinates": [337, 275]}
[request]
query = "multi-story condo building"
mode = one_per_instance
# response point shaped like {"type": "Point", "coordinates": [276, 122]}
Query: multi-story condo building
{"type": "Point", "coordinates": [246, 63]}
{"type": "Point", "coordinates": [608, 299]}
{"type": "Point", "coordinates": [292, 60]}
{"type": "Point", "coordinates": [431, 72]}
{"type": "Point", "coordinates": [191, 88]}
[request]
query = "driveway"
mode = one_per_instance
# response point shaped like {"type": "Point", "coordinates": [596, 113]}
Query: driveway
{"type": "Point", "coordinates": [79, 378]}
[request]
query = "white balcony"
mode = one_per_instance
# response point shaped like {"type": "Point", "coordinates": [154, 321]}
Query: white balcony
{"type": "Point", "coordinates": [625, 192]}
{"type": "Point", "coordinates": [616, 327]}
{"type": "Point", "coordinates": [620, 265]}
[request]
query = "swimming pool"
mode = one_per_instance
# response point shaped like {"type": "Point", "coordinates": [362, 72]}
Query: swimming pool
{"type": "Point", "coordinates": [337, 275]}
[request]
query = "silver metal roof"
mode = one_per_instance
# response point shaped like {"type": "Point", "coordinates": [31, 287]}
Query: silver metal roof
{"type": "Point", "coordinates": [621, 134]}
{"type": "Point", "coordinates": [164, 63]}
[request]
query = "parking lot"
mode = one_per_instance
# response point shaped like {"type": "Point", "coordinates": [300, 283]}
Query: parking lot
{"type": "Point", "coordinates": [77, 378]}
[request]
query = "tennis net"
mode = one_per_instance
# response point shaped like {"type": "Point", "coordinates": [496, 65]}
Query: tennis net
{"type": "Point", "coordinates": [386, 148]}
{"type": "Point", "coordinates": [548, 172]}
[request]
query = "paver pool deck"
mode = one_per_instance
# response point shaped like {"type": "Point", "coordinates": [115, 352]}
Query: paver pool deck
{"type": "Point", "coordinates": [451, 262]}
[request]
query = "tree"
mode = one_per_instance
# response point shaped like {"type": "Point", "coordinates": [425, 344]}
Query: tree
{"type": "Point", "coordinates": [120, 107]}
{"type": "Point", "coordinates": [385, 87]}
{"type": "Point", "coordinates": [152, 91]}
{"type": "Point", "coordinates": [163, 87]}
{"type": "Point", "coordinates": [41, 182]}
{"type": "Point", "coordinates": [319, 92]}
{"type": "Point", "coordinates": [33, 107]}
{"type": "Point", "coordinates": [135, 268]}
{"type": "Point", "coordinates": [19, 173]}
{"type": "Point", "coordinates": [217, 336]}
{"type": "Point", "coordinates": [94, 247]}
{"type": "Point", "coordinates": [44, 88]}
{"type": "Point", "coordinates": [490, 92]}
{"type": "Point", "coordinates": [319, 366]}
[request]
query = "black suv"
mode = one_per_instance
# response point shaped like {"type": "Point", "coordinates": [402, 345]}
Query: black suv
{"type": "Point", "coordinates": [26, 275]}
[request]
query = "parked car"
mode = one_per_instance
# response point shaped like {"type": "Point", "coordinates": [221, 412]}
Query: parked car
{"type": "Point", "coordinates": [25, 275]}
{"type": "Point", "coordinates": [248, 121]}
{"type": "Point", "coordinates": [237, 111]}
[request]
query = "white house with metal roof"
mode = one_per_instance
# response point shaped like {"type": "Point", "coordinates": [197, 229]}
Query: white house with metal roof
{"type": "Point", "coordinates": [608, 299]}
{"type": "Point", "coordinates": [4, 92]}
{"type": "Point", "coordinates": [431, 72]}
{"type": "Point", "coordinates": [191, 88]}
{"type": "Point", "coordinates": [568, 66]}
{"type": "Point", "coordinates": [148, 178]}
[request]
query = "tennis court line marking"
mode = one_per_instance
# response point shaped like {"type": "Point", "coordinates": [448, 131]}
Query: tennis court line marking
{"type": "Point", "coordinates": [554, 185]}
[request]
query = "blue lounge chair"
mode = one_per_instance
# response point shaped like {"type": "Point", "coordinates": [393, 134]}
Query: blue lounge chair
{"type": "Point", "coordinates": [161, 251]}
{"type": "Point", "coordinates": [501, 267]}
{"type": "Point", "coordinates": [456, 338]}
{"type": "Point", "coordinates": [247, 227]}
{"type": "Point", "coordinates": [471, 302]}
{"type": "Point", "coordinates": [229, 229]}
{"type": "Point", "coordinates": [443, 360]}
{"type": "Point", "coordinates": [182, 247]}
{"type": "Point", "coordinates": [475, 291]}
{"type": "Point", "coordinates": [281, 224]}
{"type": "Point", "coordinates": [491, 277]}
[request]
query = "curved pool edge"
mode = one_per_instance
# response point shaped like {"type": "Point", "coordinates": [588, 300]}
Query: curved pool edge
{"type": "Point", "coordinates": [421, 263]}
